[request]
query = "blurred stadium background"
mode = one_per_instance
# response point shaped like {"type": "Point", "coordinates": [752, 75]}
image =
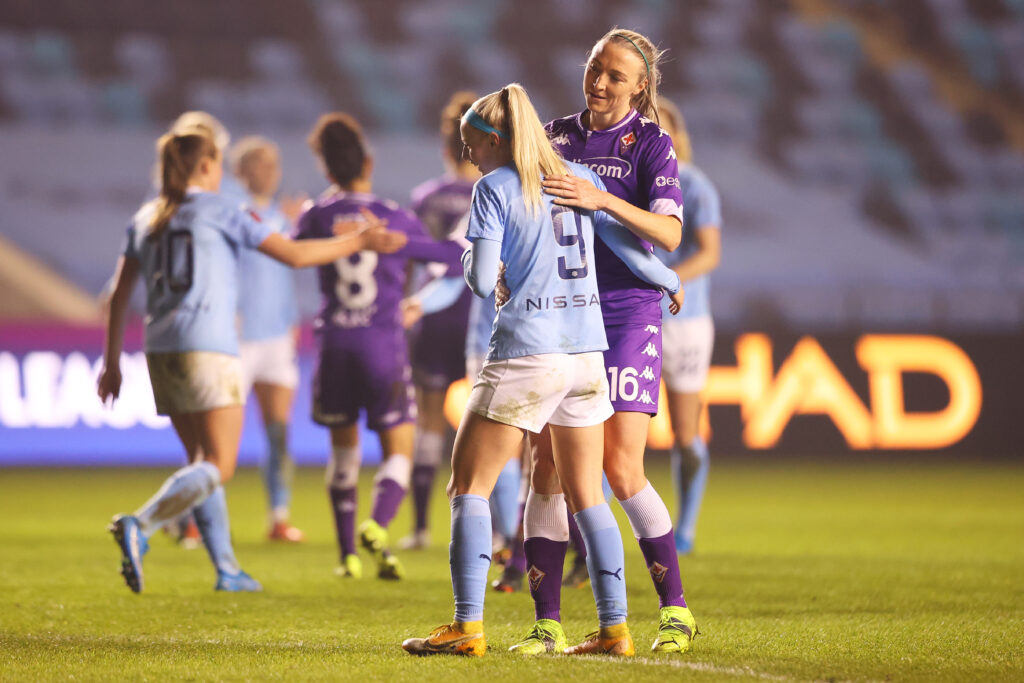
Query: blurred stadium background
{"type": "Point", "coordinates": [870, 157]}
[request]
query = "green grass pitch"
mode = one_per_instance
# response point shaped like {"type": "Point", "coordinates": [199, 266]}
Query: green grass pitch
{"type": "Point", "coordinates": [826, 571]}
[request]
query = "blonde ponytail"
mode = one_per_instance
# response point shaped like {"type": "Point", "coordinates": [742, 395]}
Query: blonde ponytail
{"type": "Point", "coordinates": [510, 110]}
{"type": "Point", "coordinates": [178, 155]}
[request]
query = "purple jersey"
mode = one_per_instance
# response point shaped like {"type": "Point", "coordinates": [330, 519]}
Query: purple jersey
{"type": "Point", "coordinates": [637, 163]}
{"type": "Point", "coordinates": [437, 343]}
{"type": "Point", "coordinates": [364, 290]}
{"type": "Point", "coordinates": [441, 202]}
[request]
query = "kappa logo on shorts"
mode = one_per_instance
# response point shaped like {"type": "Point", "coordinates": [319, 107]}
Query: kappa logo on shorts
{"type": "Point", "coordinates": [535, 576]}
{"type": "Point", "coordinates": [650, 350]}
{"type": "Point", "coordinates": [651, 329]}
{"type": "Point", "coordinates": [645, 398]}
{"type": "Point", "coordinates": [647, 374]}
{"type": "Point", "coordinates": [658, 572]}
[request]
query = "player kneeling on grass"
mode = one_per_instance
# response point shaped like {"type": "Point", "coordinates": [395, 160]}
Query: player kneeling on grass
{"type": "Point", "coordinates": [185, 244]}
{"type": "Point", "coordinates": [544, 366]}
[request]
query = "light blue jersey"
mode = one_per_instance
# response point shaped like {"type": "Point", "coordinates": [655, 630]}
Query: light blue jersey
{"type": "Point", "coordinates": [554, 306]}
{"type": "Point", "coordinates": [266, 299]}
{"type": "Point", "coordinates": [701, 208]}
{"type": "Point", "coordinates": [190, 270]}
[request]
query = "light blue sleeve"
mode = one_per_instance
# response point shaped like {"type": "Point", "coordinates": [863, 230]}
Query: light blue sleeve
{"type": "Point", "coordinates": [439, 294]}
{"type": "Point", "coordinates": [247, 228]}
{"type": "Point", "coordinates": [486, 214]}
{"type": "Point", "coordinates": [640, 262]}
{"type": "Point", "coordinates": [480, 264]}
{"type": "Point", "coordinates": [709, 206]}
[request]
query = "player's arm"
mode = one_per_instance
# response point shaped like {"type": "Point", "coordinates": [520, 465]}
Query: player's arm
{"type": "Point", "coordinates": [369, 235]}
{"type": "Point", "coordinates": [706, 258]}
{"type": "Point", "coordinates": [658, 229]}
{"type": "Point", "coordinates": [126, 274]}
{"type": "Point", "coordinates": [423, 248]}
{"type": "Point", "coordinates": [480, 263]}
{"type": "Point", "coordinates": [640, 262]}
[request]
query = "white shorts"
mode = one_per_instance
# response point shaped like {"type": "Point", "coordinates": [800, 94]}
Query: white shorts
{"type": "Point", "coordinates": [568, 390]}
{"type": "Point", "coordinates": [194, 381]}
{"type": "Point", "coordinates": [269, 361]}
{"type": "Point", "coordinates": [686, 353]}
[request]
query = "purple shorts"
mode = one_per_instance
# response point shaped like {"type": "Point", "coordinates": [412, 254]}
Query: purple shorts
{"type": "Point", "coordinates": [372, 374]}
{"type": "Point", "coordinates": [633, 364]}
{"type": "Point", "coordinates": [438, 352]}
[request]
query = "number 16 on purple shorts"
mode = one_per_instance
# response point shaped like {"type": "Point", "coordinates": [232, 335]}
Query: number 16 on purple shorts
{"type": "Point", "coordinates": [633, 364]}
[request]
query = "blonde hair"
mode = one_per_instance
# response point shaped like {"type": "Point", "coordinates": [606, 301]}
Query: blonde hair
{"type": "Point", "coordinates": [246, 148]}
{"type": "Point", "coordinates": [178, 155]}
{"type": "Point", "coordinates": [510, 111]}
{"type": "Point", "coordinates": [646, 102]}
{"type": "Point", "coordinates": [673, 121]}
{"type": "Point", "coordinates": [201, 119]}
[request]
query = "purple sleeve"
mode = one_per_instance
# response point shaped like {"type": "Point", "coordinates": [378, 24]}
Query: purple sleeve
{"type": "Point", "coordinates": [422, 248]}
{"type": "Point", "coordinates": [659, 177]}
{"type": "Point", "coordinates": [304, 226]}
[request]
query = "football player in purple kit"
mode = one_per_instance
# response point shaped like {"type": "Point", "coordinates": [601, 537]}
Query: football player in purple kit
{"type": "Point", "coordinates": [363, 360]}
{"type": "Point", "coordinates": [437, 348]}
{"type": "Point", "coordinates": [618, 137]}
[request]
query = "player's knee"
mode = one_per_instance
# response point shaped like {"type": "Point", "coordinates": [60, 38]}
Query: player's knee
{"type": "Point", "coordinates": [625, 480]}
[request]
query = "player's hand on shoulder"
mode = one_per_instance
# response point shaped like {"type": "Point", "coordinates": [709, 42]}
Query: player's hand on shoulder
{"type": "Point", "coordinates": [411, 311]}
{"type": "Point", "coordinates": [573, 191]}
{"type": "Point", "coordinates": [108, 387]}
{"type": "Point", "coordinates": [382, 240]}
{"type": "Point", "coordinates": [501, 291]}
{"type": "Point", "coordinates": [676, 301]}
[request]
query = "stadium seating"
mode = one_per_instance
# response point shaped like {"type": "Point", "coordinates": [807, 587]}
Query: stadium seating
{"type": "Point", "coordinates": [798, 85]}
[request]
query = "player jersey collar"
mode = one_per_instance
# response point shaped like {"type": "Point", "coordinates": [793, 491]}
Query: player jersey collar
{"type": "Point", "coordinates": [335, 192]}
{"type": "Point", "coordinates": [626, 120]}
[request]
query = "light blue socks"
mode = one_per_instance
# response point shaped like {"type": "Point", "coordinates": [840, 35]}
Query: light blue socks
{"type": "Point", "coordinates": [469, 555]}
{"type": "Point", "coordinates": [605, 560]}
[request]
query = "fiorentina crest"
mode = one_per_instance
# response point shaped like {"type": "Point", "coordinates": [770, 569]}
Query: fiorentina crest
{"type": "Point", "coordinates": [535, 576]}
{"type": "Point", "coordinates": [658, 572]}
{"type": "Point", "coordinates": [627, 141]}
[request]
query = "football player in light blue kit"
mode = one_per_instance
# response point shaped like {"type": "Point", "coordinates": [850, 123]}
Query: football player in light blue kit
{"type": "Point", "coordinates": [544, 364]}
{"type": "Point", "coordinates": [269, 314]}
{"type": "Point", "coordinates": [185, 245]}
{"type": "Point", "coordinates": [689, 337]}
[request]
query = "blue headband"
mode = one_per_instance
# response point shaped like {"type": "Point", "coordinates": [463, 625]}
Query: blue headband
{"type": "Point", "coordinates": [477, 121]}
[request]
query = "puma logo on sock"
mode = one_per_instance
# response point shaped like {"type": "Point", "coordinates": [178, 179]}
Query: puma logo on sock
{"type": "Point", "coordinates": [605, 572]}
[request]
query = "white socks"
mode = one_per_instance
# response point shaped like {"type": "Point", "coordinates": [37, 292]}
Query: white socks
{"type": "Point", "coordinates": [647, 513]}
{"type": "Point", "coordinates": [343, 467]}
{"type": "Point", "coordinates": [546, 517]}
{"type": "Point", "coordinates": [428, 449]}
